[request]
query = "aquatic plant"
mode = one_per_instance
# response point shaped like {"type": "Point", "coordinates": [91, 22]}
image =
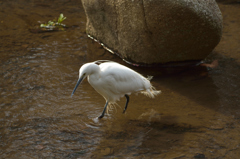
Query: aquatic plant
{"type": "Point", "coordinates": [53, 24]}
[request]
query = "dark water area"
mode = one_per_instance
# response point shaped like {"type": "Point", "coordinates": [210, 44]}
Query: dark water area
{"type": "Point", "coordinates": [196, 116]}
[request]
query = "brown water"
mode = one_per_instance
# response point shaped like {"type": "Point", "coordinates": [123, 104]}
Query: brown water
{"type": "Point", "coordinates": [196, 116]}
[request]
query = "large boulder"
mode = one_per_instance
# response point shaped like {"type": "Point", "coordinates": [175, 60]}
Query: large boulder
{"type": "Point", "coordinates": [155, 31]}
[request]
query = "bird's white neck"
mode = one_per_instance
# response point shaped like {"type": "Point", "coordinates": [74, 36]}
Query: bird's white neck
{"type": "Point", "coordinates": [94, 77]}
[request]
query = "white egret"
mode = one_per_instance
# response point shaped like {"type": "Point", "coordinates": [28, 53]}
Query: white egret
{"type": "Point", "coordinates": [113, 81]}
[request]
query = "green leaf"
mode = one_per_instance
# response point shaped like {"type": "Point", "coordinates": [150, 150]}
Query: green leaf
{"type": "Point", "coordinates": [61, 18]}
{"type": "Point", "coordinates": [42, 25]}
{"type": "Point", "coordinates": [50, 22]}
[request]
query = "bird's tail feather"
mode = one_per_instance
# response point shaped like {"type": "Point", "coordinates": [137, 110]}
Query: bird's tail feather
{"type": "Point", "coordinates": [149, 78]}
{"type": "Point", "coordinates": [151, 92]}
{"type": "Point", "coordinates": [111, 106]}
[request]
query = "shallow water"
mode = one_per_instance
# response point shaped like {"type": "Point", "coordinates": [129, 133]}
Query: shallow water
{"type": "Point", "coordinates": [197, 114]}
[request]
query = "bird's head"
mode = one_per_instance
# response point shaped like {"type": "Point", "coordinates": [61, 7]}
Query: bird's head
{"type": "Point", "coordinates": [86, 70]}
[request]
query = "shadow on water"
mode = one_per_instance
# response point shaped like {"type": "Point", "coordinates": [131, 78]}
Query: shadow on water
{"type": "Point", "coordinates": [194, 116]}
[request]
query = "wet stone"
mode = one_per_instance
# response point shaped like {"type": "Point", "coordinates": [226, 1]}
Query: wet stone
{"type": "Point", "coordinates": [199, 155]}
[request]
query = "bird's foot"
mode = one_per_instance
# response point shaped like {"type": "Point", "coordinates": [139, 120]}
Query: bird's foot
{"type": "Point", "coordinates": [101, 116]}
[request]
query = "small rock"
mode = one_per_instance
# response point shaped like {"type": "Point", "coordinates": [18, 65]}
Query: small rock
{"type": "Point", "coordinates": [25, 45]}
{"type": "Point", "coordinates": [107, 151]}
{"type": "Point", "coordinates": [199, 155]}
{"type": "Point", "coordinates": [39, 147]}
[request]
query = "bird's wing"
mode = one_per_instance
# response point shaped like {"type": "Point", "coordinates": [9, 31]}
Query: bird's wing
{"type": "Point", "coordinates": [121, 79]}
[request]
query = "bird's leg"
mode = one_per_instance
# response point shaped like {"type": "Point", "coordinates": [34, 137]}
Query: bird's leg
{"type": "Point", "coordinates": [105, 107]}
{"type": "Point", "coordinates": [127, 97]}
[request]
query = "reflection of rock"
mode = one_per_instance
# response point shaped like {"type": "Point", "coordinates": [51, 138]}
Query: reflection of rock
{"type": "Point", "coordinates": [155, 31]}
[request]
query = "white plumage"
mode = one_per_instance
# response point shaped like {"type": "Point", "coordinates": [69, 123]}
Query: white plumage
{"type": "Point", "coordinates": [114, 81]}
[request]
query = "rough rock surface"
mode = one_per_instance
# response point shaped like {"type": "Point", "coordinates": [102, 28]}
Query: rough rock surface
{"type": "Point", "coordinates": [155, 31]}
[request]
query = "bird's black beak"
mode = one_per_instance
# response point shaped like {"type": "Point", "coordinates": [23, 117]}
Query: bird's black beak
{"type": "Point", "coordinates": [78, 82]}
